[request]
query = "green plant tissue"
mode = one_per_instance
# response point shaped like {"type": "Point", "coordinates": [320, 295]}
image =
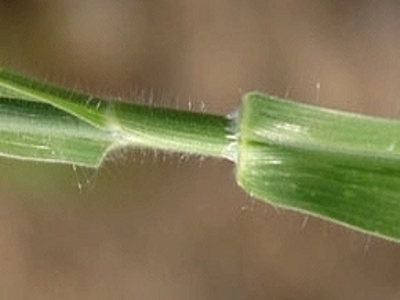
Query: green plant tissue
{"type": "Point", "coordinates": [340, 166]}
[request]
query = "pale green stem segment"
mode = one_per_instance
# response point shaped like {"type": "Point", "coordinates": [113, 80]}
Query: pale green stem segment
{"type": "Point", "coordinates": [335, 165]}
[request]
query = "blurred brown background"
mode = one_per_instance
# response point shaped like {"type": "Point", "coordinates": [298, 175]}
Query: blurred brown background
{"type": "Point", "coordinates": [149, 226]}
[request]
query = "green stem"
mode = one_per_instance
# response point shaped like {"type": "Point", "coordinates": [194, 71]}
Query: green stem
{"type": "Point", "coordinates": [336, 165]}
{"type": "Point", "coordinates": [118, 124]}
{"type": "Point", "coordinates": [172, 130]}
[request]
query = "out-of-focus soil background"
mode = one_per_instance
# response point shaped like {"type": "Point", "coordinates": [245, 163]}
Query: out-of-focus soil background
{"type": "Point", "coordinates": [156, 226]}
